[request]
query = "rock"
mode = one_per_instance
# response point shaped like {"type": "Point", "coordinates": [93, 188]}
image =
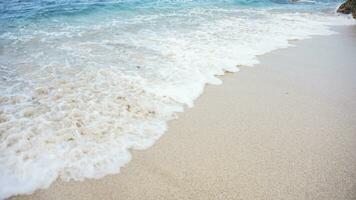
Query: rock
{"type": "Point", "coordinates": [348, 7]}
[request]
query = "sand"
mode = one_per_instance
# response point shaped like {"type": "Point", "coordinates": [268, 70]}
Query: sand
{"type": "Point", "coordinates": [284, 129]}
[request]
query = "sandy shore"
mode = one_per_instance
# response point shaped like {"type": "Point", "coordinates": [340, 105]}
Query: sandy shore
{"type": "Point", "coordinates": [285, 129]}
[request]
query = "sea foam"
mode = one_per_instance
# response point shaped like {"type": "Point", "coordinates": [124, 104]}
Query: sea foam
{"type": "Point", "coordinates": [76, 95]}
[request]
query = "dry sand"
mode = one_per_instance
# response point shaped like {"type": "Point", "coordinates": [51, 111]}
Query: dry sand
{"type": "Point", "coordinates": [285, 129]}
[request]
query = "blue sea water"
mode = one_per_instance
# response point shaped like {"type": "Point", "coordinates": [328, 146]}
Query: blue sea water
{"type": "Point", "coordinates": [84, 81]}
{"type": "Point", "coordinates": [27, 11]}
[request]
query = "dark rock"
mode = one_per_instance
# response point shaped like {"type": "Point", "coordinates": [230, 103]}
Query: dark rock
{"type": "Point", "coordinates": [349, 7]}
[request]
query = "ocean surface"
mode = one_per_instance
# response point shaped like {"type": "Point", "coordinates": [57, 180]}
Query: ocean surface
{"type": "Point", "coordinates": [84, 81]}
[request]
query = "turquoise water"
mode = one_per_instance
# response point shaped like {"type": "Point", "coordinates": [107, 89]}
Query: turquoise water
{"type": "Point", "coordinates": [16, 11]}
{"type": "Point", "coordinates": [83, 82]}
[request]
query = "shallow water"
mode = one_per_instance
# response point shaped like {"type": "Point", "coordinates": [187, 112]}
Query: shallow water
{"type": "Point", "coordinates": [82, 82]}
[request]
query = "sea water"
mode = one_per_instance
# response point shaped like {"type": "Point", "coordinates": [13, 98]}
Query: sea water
{"type": "Point", "coordinates": [84, 81]}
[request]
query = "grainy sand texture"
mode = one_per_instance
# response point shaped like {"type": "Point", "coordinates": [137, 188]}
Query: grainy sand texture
{"type": "Point", "coordinates": [284, 129]}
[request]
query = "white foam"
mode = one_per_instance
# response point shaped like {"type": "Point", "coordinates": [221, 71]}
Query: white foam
{"type": "Point", "coordinates": [76, 97]}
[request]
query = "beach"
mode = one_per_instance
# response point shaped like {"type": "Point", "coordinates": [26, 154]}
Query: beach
{"type": "Point", "coordinates": [85, 83]}
{"type": "Point", "coordinates": [283, 129]}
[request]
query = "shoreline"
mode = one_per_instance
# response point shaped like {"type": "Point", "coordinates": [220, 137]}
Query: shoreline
{"type": "Point", "coordinates": [191, 161]}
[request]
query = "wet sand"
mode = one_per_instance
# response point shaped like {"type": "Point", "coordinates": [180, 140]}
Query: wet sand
{"type": "Point", "coordinates": [284, 129]}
